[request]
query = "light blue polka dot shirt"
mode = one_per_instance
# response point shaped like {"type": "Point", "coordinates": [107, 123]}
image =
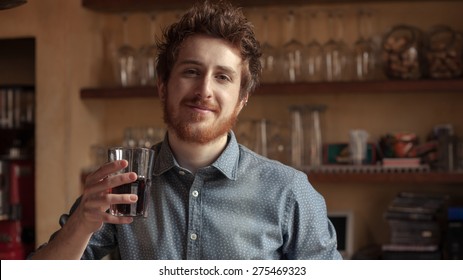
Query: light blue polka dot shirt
{"type": "Point", "coordinates": [243, 206]}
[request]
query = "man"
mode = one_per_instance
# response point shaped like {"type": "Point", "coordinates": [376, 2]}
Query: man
{"type": "Point", "coordinates": [211, 197]}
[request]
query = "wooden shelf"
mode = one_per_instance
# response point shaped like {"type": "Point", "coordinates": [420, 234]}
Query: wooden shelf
{"type": "Point", "coordinates": [388, 86]}
{"type": "Point", "coordinates": [372, 87]}
{"type": "Point", "coordinates": [119, 6]}
{"type": "Point", "coordinates": [414, 178]}
{"type": "Point", "coordinates": [119, 92]}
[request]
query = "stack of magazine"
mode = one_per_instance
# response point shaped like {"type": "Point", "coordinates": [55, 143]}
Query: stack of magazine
{"type": "Point", "coordinates": [416, 222]}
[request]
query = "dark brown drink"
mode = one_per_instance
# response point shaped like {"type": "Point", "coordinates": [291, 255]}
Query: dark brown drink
{"type": "Point", "coordinates": [134, 209]}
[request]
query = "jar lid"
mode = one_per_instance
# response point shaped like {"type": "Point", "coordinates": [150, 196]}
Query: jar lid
{"type": "Point", "coordinates": [401, 38]}
{"type": "Point", "coordinates": [441, 37]}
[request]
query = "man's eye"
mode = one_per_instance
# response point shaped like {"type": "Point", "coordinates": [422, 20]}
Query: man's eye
{"type": "Point", "coordinates": [223, 77]}
{"type": "Point", "coordinates": [190, 72]}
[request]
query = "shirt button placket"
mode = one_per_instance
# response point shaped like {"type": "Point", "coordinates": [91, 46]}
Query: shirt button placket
{"type": "Point", "coordinates": [195, 218]}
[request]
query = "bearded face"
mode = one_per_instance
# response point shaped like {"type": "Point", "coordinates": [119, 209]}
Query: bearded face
{"type": "Point", "coordinates": [201, 100]}
{"type": "Point", "coordinates": [194, 127]}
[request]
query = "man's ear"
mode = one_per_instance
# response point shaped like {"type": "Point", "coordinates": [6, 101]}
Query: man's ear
{"type": "Point", "coordinates": [162, 90]}
{"type": "Point", "coordinates": [244, 101]}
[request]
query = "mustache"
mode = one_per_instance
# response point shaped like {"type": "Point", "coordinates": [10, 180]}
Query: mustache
{"type": "Point", "coordinates": [201, 103]}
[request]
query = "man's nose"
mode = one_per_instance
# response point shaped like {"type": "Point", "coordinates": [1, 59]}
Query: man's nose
{"type": "Point", "coordinates": [204, 87]}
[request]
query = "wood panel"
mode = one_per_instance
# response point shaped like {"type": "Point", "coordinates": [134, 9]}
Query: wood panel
{"type": "Point", "coordinates": [118, 6]}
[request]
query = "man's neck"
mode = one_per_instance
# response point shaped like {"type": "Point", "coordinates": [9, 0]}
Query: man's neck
{"type": "Point", "coordinates": [194, 156]}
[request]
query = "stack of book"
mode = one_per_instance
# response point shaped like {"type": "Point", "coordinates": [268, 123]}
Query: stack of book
{"type": "Point", "coordinates": [401, 162]}
{"type": "Point", "coordinates": [416, 222]}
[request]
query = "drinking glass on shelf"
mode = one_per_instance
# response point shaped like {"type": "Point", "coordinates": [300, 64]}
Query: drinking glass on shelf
{"type": "Point", "coordinates": [142, 137]}
{"type": "Point", "coordinates": [147, 58]}
{"type": "Point", "coordinates": [297, 135]}
{"type": "Point", "coordinates": [126, 59]}
{"type": "Point", "coordinates": [266, 137]}
{"type": "Point", "coordinates": [261, 128]}
{"type": "Point", "coordinates": [313, 135]}
{"type": "Point", "coordinates": [279, 141]}
{"type": "Point", "coordinates": [292, 52]}
{"type": "Point", "coordinates": [335, 51]}
{"type": "Point", "coordinates": [346, 56]}
{"type": "Point", "coordinates": [306, 135]}
{"type": "Point", "coordinates": [313, 53]}
{"type": "Point", "coordinates": [252, 134]}
{"type": "Point", "coordinates": [364, 50]}
{"type": "Point", "coordinates": [270, 55]}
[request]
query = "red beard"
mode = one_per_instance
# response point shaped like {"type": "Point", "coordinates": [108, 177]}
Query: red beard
{"type": "Point", "coordinates": [182, 124]}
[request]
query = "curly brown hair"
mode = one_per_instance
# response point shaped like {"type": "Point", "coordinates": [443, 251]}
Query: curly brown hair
{"type": "Point", "coordinates": [219, 20]}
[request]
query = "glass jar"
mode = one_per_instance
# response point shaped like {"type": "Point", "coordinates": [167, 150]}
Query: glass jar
{"type": "Point", "coordinates": [402, 53]}
{"type": "Point", "coordinates": [444, 53]}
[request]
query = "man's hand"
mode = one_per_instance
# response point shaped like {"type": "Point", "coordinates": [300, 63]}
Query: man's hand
{"type": "Point", "coordinates": [96, 199]}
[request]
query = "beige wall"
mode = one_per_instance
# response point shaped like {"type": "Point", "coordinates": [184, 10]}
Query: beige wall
{"type": "Point", "coordinates": [75, 48]}
{"type": "Point", "coordinates": [67, 51]}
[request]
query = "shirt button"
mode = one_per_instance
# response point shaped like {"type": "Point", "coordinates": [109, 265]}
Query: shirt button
{"type": "Point", "coordinates": [181, 172]}
{"type": "Point", "coordinates": [193, 236]}
{"type": "Point", "coordinates": [195, 193]}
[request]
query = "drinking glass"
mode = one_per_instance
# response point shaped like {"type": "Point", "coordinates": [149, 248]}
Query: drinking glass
{"type": "Point", "coordinates": [278, 141]}
{"type": "Point", "coordinates": [141, 161]}
{"type": "Point", "coordinates": [126, 60]}
{"type": "Point", "coordinates": [245, 133]}
{"type": "Point", "coordinates": [313, 54]}
{"type": "Point", "coordinates": [148, 55]}
{"type": "Point", "coordinates": [268, 138]}
{"type": "Point", "coordinates": [252, 133]}
{"type": "Point", "coordinates": [313, 135]}
{"type": "Point", "coordinates": [261, 130]}
{"type": "Point", "coordinates": [297, 135]}
{"type": "Point", "coordinates": [335, 51]}
{"type": "Point", "coordinates": [306, 135]}
{"type": "Point", "coordinates": [364, 50]}
{"type": "Point", "coordinates": [270, 55]}
{"type": "Point", "coordinates": [142, 137]}
{"type": "Point", "coordinates": [292, 52]}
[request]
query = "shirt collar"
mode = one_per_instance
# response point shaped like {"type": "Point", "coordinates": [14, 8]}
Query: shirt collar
{"type": "Point", "coordinates": [227, 163]}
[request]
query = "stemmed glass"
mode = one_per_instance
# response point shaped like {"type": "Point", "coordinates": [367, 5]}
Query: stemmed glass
{"type": "Point", "coordinates": [313, 54]}
{"type": "Point", "coordinates": [292, 52]}
{"type": "Point", "coordinates": [346, 56]}
{"type": "Point", "coordinates": [148, 55]}
{"type": "Point", "coordinates": [364, 50]}
{"type": "Point", "coordinates": [335, 51]}
{"type": "Point", "coordinates": [269, 58]}
{"type": "Point", "coordinates": [126, 59]}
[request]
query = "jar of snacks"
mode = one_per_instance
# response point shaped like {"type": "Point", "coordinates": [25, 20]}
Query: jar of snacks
{"type": "Point", "coordinates": [402, 52]}
{"type": "Point", "coordinates": [444, 53]}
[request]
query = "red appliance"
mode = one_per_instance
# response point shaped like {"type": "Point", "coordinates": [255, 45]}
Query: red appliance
{"type": "Point", "coordinates": [17, 208]}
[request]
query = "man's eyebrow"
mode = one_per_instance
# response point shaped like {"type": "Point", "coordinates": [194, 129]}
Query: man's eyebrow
{"type": "Point", "coordinates": [224, 68]}
{"type": "Point", "coordinates": [189, 61]}
{"type": "Point", "coordinates": [227, 69]}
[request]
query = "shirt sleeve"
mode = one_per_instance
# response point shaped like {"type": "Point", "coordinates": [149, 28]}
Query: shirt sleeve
{"type": "Point", "coordinates": [102, 243]}
{"type": "Point", "coordinates": [309, 232]}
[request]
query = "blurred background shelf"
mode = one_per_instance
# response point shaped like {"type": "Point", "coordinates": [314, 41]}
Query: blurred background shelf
{"type": "Point", "coordinates": [119, 92]}
{"type": "Point", "coordinates": [432, 177]}
{"type": "Point", "coordinates": [418, 86]}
